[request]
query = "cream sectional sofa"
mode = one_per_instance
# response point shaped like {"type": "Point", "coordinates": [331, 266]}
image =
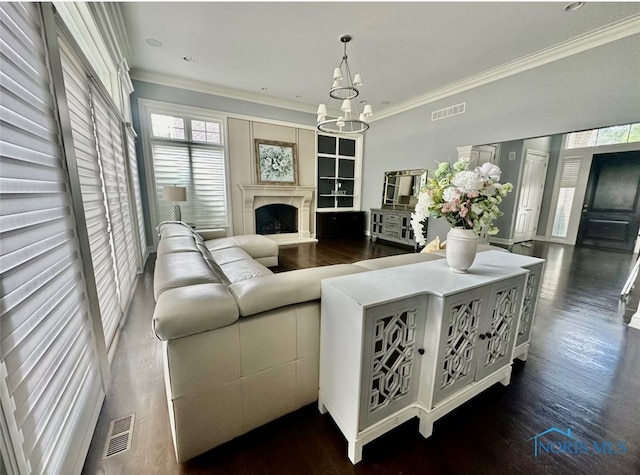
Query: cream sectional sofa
{"type": "Point", "coordinates": [240, 343]}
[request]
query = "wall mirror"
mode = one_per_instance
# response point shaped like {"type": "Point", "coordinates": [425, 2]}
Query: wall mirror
{"type": "Point", "coordinates": [401, 188]}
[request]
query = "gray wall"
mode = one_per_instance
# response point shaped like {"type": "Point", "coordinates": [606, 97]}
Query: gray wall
{"type": "Point", "coordinates": [511, 170]}
{"type": "Point", "coordinates": [157, 92]}
{"type": "Point", "coordinates": [594, 88]}
{"type": "Point", "coordinates": [545, 208]}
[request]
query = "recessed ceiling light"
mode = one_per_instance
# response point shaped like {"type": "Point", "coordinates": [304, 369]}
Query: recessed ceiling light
{"type": "Point", "coordinates": [572, 7]}
{"type": "Point", "coordinates": [153, 42]}
{"type": "Point", "coordinates": [188, 59]}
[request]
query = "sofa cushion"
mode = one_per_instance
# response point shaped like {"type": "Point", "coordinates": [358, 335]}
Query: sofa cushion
{"type": "Point", "coordinates": [193, 309]}
{"type": "Point", "coordinates": [236, 271]}
{"type": "Point", "coordinates": [176, 244]}
{"type": "Point", "coordinates": [255, 245]}
{"type": "Point", "coordinates": [394, 261]}
{"type": "Point", "coordinates": [174, 228]}
{"type": "Point", "coordinates": [232, 254]}
{"type": "Point", "coordinates": [180, 269]}
{"type": "Point", "coordinates": [287, 288]}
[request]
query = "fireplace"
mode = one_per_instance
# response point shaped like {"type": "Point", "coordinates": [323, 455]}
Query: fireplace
{"type": "Point", "coordinates": [297, 199]}
{"type": "Point", "coordinates": [276, 218]}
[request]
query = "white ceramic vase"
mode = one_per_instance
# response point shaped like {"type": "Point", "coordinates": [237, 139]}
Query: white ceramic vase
{"type": "Point", "coordinates": [462, 245]}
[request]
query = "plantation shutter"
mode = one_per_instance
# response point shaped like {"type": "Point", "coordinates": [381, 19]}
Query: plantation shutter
{"type": "Point", "coordinates": [137, 195]}
{"type": "Point", "coordinates": [209, 189]}
{"type": "Point", "coordinates": [201, 171]}
{"type": "Point", "coordinates": [50, 381]}
{"type": "Point", "coordinates": [110, 150]}
{"type": "Point", "coordinates": [130, 270]}
{"type": "Point", "coordinates": [566, 192]}
{"type": "Point", "coordinates": [93, 200]}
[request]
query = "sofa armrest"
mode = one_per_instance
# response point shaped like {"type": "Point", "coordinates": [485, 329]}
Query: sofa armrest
{"type": "Point", "coordinates": [213, 233]}
{"type": "Point", "coordinates": [287, 288]}
{"type": "Point", "coordinates": [192, 309]}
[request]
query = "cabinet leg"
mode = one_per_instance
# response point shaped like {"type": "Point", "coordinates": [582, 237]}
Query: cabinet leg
{"type": "Point", "coordinates": [321, 407]}
{"type": "Point", "coordinates": [355, 451]}
{"type": "Point", "coordinates": [426, 427]}
{"type": "Point", "coordinates": [506, 379]}
{"type": "Point", "coordinates": [524, 354]}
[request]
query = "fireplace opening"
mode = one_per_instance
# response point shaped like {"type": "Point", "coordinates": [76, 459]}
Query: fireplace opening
{"type": "Point", "coordinates": [276, 219]}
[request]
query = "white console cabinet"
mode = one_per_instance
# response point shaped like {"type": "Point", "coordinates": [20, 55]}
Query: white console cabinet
{"type": "Point", "coordinates": [419, 340]}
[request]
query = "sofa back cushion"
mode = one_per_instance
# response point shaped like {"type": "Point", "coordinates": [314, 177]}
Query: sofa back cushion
{"type": "Point", "coordinates": [179, 269]}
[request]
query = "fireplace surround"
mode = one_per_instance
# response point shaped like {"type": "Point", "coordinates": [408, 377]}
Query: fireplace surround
{"type": "Point", "coordinates": [300, 197]}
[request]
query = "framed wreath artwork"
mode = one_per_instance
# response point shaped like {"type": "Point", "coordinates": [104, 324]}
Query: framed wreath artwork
{"type": "Point", "coordinates": [276, 162]}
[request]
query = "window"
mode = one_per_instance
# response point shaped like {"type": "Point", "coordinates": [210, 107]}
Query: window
{"type": "Point", "coordinates": [568, 182]}
{"type": "Point", "coordinates": [605, 136]}
{"type": "Point", "coordinates": [188, 150]}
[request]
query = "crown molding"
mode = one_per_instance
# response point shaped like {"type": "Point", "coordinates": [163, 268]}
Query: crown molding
{"type": "Point", "coordinates": [208, 88]}
{"type": "Point", "coordinates": [602, 36]}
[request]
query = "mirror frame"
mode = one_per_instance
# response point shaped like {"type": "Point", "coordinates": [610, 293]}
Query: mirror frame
{"type": "Point", "coordinates": [420, 173]}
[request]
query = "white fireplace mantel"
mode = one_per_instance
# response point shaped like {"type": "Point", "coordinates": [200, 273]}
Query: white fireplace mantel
{"type": "Point", "coordinates": [300, 197]}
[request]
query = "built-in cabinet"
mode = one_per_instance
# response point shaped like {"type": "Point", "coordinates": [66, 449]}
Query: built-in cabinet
{"type": "Point", "coordinates": [421, 340]}
{"type": "Point", "coordinates": [339, 172]}
{"type": "Point", "coordinates": [339, 224]}
{"type": "Point", "coordinates": [392, 225]}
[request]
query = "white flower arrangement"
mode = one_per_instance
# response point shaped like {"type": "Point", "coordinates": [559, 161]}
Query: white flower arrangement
{"type": "Point", "coordinates": [465, 198]}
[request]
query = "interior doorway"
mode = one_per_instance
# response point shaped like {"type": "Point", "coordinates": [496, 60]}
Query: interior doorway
{"type": "Point", "coordinates": [611, 211]}
{"type": "Point", "coordinates": [530, 200]}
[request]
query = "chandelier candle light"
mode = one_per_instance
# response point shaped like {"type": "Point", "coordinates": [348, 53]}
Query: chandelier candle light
{"type": "Point", "coordinates": [468, 200]}
{"type": "Point", "coordinates": [345, 88]}
{"type": "Point", "coordinates": [175, 194]}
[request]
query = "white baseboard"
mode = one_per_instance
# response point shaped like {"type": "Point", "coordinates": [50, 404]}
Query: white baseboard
{"type": "Point", "coordinates": [635, 321]}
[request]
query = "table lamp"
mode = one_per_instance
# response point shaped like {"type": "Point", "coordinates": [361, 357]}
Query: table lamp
{"type": "Point", "coordinates": [175, 194]}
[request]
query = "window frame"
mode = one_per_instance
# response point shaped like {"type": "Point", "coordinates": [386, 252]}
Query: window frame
{"type": "Point", "coordinates": [147, 107]}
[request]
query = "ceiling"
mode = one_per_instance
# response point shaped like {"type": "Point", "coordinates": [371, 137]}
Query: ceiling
{"type": "Point", "coordinates": [284, 53]}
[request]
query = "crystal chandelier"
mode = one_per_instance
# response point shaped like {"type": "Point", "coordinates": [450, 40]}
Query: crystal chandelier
{"type": "Point", "coordinates": [345, 88]}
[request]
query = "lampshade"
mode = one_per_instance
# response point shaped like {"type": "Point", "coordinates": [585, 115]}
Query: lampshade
{"type": "Point", "coordinates": [174, 193]}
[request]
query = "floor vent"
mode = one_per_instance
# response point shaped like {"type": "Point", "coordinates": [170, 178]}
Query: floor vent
{"type": "Point", "coordinates": [448, 111]}
{"type": "Point", "coordinates": [120, 435]}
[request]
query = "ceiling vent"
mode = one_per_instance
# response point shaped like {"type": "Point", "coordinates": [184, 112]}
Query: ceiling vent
{"type": "Point", "coordinates": [448, 111]}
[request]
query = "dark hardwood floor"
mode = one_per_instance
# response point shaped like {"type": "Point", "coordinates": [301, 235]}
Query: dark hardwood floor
{"type": "Point", "coordinates": [583, 373]}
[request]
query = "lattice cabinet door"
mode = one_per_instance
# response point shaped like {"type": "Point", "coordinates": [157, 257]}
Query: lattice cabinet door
{"type": "Point", "coordinates": [457, 354]}
{"type": "Point", "coordinates": [393, 336]}
{"type": "Point", "coordinates": [529, 304]}
{"type": "Point", "coordinates": [498, 331]}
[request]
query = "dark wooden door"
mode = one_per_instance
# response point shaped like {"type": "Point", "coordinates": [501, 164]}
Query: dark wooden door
{"type": "Point", "coordinates": [611, 212]}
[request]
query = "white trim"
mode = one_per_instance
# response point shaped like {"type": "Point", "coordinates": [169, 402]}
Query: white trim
{"type": "Point", "coordinates": [208, 88]}
{"type": "Point", "coordinates": [599, 37]}
{"type": "Point", "coordinates": [635, 321]}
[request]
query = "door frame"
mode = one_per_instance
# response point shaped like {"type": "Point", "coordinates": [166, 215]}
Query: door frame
{"type": "Point", "coordinates": [536, 212]}
{"type": "Point", "coordinates": [590, 190]}
{"type": "Point", "coordinates": [585, 155]}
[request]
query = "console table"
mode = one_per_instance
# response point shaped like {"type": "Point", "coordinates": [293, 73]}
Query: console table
{"type": "Point", "coordinates": [392, 225]}
{"type": "Point", "coordinates": [420, 340]}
